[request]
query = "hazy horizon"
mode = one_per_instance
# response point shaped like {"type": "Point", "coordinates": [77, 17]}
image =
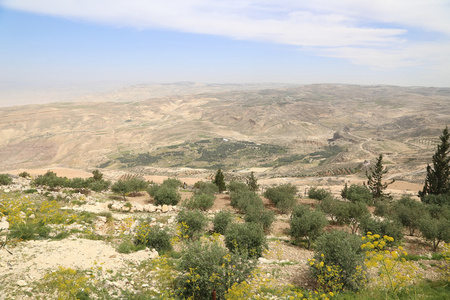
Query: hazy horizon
{"type": "Point", "coordinates": [66, 49]}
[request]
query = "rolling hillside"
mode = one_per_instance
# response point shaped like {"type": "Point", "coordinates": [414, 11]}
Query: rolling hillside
{"type": "Point", "coordinates": [300, 130]}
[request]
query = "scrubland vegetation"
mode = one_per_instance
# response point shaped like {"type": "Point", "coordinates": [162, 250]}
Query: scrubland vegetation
{"type": "Point", "coordinates": [355, 254]}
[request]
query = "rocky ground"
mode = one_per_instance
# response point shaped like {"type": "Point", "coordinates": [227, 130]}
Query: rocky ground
{"type": "Point", "coordinates": [23, 264]}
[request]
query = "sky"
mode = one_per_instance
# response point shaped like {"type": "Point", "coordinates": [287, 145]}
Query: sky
{"type": "Point", "coordinates": [49, 44]}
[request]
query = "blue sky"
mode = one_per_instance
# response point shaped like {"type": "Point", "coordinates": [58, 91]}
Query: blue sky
{"type": "Point", "coordinates": [51, 43]}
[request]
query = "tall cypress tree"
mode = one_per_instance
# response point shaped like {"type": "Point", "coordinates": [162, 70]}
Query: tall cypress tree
{"type": "Point", "coordinates": [375, 180]}
{"type": "Point", "coordinates": [252, 182]}
{"type": "Point", "coordinates": [437, 181]}
{"type": "Point", "coordinates": [220, 181]}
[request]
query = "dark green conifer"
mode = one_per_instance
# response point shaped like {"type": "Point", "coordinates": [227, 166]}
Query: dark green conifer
{"type": "Point", "coordinates": [220, 181]}
{"type": "Point", "coordinates": [252, 182]}
{"type": "Point", "coordinates": [375, 180]}
{"type": "Point", "coordinates": [437, 180]}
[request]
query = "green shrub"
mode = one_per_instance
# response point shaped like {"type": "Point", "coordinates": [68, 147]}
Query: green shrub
{"type": "Point", "coordinates": [342, 250]}
{"type": "Point", "coordinates": [29, 231]}
{"type": "Point", "coordinates": [318, 193]}
{"type": "Point", "coordinates": [333, 209]}
{"type": "Point", "coordinates": [244, 199]}
{"type": "Point", "coordinates": [5, 179]}
{"type": "Point", "coordinates": [221, 221]}
{"type": "Point", "coordinates": [194, 222]}
{"type": "Point", "coordinates": [434, 224]}
{"type": "Point", "coordinates": [442, 199]}
{"type": "Point", "coordinates": [77, 183]}
{"type": "Point", "coordinates": [128, 246]}
{"type": "Point", "coordinates": [51, 180]}
{"type": "Point", "coordinates": [247, 239]}
{"type": "Point", "coordinates": [352, 214]}
{"type": "Point", "coordinates": [166, 195]}
{"type": "Point", "coordinates": [436, 230]}
{"type": "Point", "coordinates": [153, 237]}
{"type": "Point", "coordinates": [137, 184]}
{"type": "Point", "coordinates": [24, 174]}
{"type": "Point", "coordinates": [359, 193]}
{"type": "Point", "coordinates": [261, 216]}
{"type": "Point", "coordinates": [307, 223]}
{"type": "Point", "coordinates": [208, 267]}
{"type": "Point", "coordinates": [437, 211]}
{"type": "Point", "coordinates": [408, 212]}
{"type": "Point", "coordinates": [235, 186]}
{"type": "Point", "coordinates": [208, 188]}
{"type": "Point", "coordinates": [200, 201]}
{"type": "Point", "coordinates": [382, 209]}
{"type": "Point", "coordinates": [99, 185]}
{"type": "Point", "coordinates": [121, 187]}
{"type": "Point", "coordinates": [283, 196]}
{"type": "Point", "coordinates": [384, 227]}
{"type": "Point", "coordinates": [172, 183]}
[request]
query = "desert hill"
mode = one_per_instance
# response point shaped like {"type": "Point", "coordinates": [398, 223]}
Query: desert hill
{"type": "Point", "coordinates": [322, 129]}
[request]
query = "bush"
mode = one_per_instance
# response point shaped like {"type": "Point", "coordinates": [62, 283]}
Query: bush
{"type": "Point", "coordinates": [99, 185]}
{"type": "Point", "coordinates": [408, 212]}
{"type": "Point", "coordinates": [166, 195]}
{"type": "Point", "coordinates": [121, 187]}
{"type": "Point", "coordinates": [359, 193]}
{"type": "Point", "coordinates": [172, 183]}
{"type": "Point", "coordinates": [341, 251]}
{"type": "Point", "coordinates": [261, 216]}
{"type": "Point", "coordinates": [153, 237]}
{"type": "Point", "coordinates": [208, 267]}
{"type": "Point", "coordinates": [51, 180]}
{"type": "Point", "coordinates": [307, 223]}
{"type": "Point", "coordinates": [128, 246]}
{"type": "Point", "coordinates": [384, 227]}
{"type": "Point", "coordinates": [283, 196]}
{"type": "Point", "coordinates": [382, 208]}
{"type": "Point", "coordinates": [235, 186]}
{"type": "Point", "coordinates": [247, 239]}
{"type": "Point", "coordinates": [29, 231]}
{"type": "Point", "coordinates": [193, 222]}
{"type": "Point", "coordinates": [435, 230]}
{"type": "Point", "coordinates": [442, 199]}
{"type": "Point", "coordinates": [437, 211]}
{"type": "Point", "coordinates": [200, 201]}
{"type": "Point", "coordinates": [244, 199]}
{"type": "Point", "coordinates": [137, 184]}
{"type": "Point", "coordinates": [318, 193]}
{"type": "Point", "coordinates": [330, 206]}
{"type": "Point", "coordinates": [352, 214]}
{"type": "Point", "coordinates": [221, 221]}
{"type": "Point", "coordinates": [24, 174]}
{"type": "Point", "coordinates": [5, 179]}
{"type": "Point", "coordinates": [208, 188]}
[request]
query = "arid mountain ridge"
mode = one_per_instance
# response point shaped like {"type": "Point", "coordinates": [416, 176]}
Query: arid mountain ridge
{"type": "Point", "coordinates": [310, 130]}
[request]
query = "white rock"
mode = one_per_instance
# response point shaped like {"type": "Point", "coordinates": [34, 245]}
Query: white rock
{"type": "Point", "coordinates": [21, 283]}
{"type": "Point", "coordinates": [138, 207]}
{"type": "Point", "coordinates": [101, 219]}
{"type": "Point", "coordinates": [165, 208]}
{"type": "Point", "coordinates": [116, 206]}
{"type": "Point", "coordinates": [4, 224]}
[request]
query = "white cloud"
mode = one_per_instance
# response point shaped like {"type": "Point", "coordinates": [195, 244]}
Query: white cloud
{"type": "Point", "coordinates": [374, 33]}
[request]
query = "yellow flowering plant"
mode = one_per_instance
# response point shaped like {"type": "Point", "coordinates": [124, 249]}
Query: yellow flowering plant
{"type": "Point", "coordinates": [393, 271]}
